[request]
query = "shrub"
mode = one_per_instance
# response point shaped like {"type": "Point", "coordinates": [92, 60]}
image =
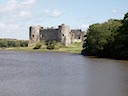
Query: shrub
{"type": "Point", "coordinates": [23, 43]}
{"type": "Point", "coordinates": [3, 43]}
{"type": "Point", "coordinates": [38, 45]}
{"type": "Point", "coordinates": [50, 44]}
{"type": "Point", "coordinates": [13, 43]}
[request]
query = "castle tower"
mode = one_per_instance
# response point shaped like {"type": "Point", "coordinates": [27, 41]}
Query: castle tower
{"type": "Point", "coordinates": [65, 34]}
{"type": "Point", "coordinates": [34, 33]}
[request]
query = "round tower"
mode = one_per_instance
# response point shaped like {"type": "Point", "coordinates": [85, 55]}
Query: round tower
{"type": "Point", "coordinates": [65, 34]}
{"type": "Point", "coordinates": [34, 34]}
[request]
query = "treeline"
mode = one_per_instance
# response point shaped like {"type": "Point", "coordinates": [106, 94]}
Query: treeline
{"type": "Point", "coordinates": [13, 43]}
{"type": "Point", "coordinates": [108, 39]}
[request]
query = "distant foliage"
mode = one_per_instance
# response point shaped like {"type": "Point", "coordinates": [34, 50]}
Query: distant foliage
{"type": "Point", "coordinates": [23, 43]}
{"type": "Point", "coordinates": [13, 43]}
{"type": "Point", "coordinates": [50, 44]}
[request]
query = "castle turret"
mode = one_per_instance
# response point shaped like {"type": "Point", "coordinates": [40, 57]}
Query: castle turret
{"type": "Point", "coordinates": [65, 37]}
{"type": "Point", "coordinates": [34, 32]}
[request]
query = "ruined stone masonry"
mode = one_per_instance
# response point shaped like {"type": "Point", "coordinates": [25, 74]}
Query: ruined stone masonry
{"type": "Point", "coordinates": [61, 34]}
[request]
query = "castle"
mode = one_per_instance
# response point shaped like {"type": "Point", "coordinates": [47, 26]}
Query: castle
{"type": "Point", "coordinates": [61, 34]}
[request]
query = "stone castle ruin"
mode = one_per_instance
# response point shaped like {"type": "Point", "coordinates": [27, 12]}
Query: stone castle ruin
{"type": "Point", "coordinates": [61, 34]}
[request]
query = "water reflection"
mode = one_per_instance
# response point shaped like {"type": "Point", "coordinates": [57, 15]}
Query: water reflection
{"type": "Point", "coordinates": [61, 74]}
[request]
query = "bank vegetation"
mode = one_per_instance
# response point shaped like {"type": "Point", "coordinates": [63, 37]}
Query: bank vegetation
{"type": "Point", "coordinates": [49, 46]}
{"type": "Point", "coordinates": [7, 43]}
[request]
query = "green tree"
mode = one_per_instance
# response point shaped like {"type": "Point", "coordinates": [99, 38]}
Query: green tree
{"type": "Point", "coordinates": [97, 36]}
{"type": "Point", "coordinates": [121, 40]}
{"type": "Point", "coordinates": [100, 37]}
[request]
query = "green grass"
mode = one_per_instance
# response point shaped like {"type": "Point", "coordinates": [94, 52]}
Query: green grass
{"type": "Point", "coordinates": [73, 48]}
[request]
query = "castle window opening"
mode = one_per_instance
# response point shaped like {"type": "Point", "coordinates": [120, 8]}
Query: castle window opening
{"type": "Point", "coordinates": [32, 35]}
{"type": "Point", "coordinates": [41, 35]}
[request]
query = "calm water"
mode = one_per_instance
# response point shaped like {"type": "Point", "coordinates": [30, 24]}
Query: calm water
{"type": "Point", "coordinates": [61, 74]}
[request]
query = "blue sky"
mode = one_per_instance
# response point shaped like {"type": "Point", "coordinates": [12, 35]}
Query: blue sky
{"type": "Point", "coordinates": [16, 16]}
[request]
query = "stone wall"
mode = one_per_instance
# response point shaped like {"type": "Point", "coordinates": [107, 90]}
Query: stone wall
{"type": "Point", "coordinates": [77, 35]}
{"type": "Point", "coordinates": [49, 34]}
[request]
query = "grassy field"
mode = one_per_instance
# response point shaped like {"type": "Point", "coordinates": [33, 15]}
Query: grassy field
{"type": "Point", "coordinates": [74, 48]}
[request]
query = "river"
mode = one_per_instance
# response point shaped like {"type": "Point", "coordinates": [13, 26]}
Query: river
{"type": "Point", "coordinates": [61, 74]}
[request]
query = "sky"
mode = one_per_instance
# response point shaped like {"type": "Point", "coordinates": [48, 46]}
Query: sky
{"type": "Point", "coordinates": [16, 16]}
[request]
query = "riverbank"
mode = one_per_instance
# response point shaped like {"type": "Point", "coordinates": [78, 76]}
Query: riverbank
{"type": "Point", "coordinates": [74, 48]}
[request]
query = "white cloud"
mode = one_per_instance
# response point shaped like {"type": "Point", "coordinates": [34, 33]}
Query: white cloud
{"type": "Point", "coordinates": [9, 6]}
{"type": "Point", "coordinates": [83, 27]}
{"type": "Point", "coordinates": [25, 14]}
{"type": "Point", "coordinates": [114, 11]}
{"type": "Point", "coordinates": [56, 13]}
{"type": "Point", "coordinates": [28, 2]}
{"type": "Point", "coordinates": [11, 26]}
{"type": "Point", "coordinates": [53, 13]}
{"type": "Point", "coordinates": [16, 6]}
{"type": "Point", "coordinates": [47, 11]}
{"type": "Point", "coordinates": [11, 2]}
{"type": "Point", "coordinates": [13, 15]}
{"type": "Point", "coordinates": [2, 25]}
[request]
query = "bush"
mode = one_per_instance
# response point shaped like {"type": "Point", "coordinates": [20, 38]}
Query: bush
{"type": "Point", "coordinates": [38, 45]}
{"type": "Point", "coordinates": [3, 43]}
{"type": "Point", "coordinates": [50, 44]}
{"type": "Point", "coordinates": [23, 43]}
{"type": "Point", "coordinates": [16, 44]}
{"type": "Point", "coordinates": [13, 43]}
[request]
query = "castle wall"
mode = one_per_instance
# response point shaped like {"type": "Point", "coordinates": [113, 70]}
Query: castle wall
{"type": "Point", "coordinates": [77, 36]}
{"type": "Point", "coordinates": [49, 34]}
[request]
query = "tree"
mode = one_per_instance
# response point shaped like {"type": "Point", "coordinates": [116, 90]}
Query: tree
{"type": "Point", "coordinates": [100, 37]}
{"type": "Point", "coordinates": [121, 40]}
